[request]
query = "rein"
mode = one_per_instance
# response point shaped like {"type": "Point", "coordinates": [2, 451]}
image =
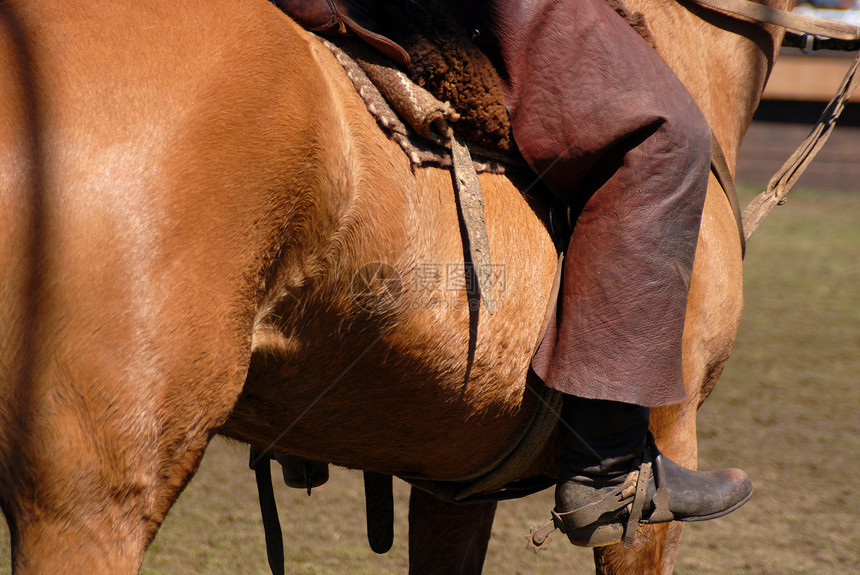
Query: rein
{"type": "Point", "coordinates": [815, 33]}
{"type": "Point", "coordinates": [768, 15]}
{"type": "Point", "coordinates": [787, 175]}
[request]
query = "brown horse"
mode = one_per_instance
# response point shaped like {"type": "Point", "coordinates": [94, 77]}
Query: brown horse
{"type": "Point", "coordinates": [203, 231]}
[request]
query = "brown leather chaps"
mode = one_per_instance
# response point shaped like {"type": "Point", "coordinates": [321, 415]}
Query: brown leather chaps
{"type": "Point", "coordinates": [605, 123]}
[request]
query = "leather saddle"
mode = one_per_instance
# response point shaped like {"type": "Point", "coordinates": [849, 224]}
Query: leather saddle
{"type": "Point", "coordinates": [356, 18]}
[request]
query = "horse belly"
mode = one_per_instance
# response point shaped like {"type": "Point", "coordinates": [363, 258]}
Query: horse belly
{"type": "Point", "coordinates": [433, 384]}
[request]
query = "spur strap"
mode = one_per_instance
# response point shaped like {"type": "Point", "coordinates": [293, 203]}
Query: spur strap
{"type": "Point", "coordinates": [638, 504]}
{"type": "Point", "coordinates": [624, 495]}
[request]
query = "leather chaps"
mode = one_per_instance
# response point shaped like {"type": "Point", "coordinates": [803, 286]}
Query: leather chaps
{"type": "Point", "coordinates": [607, 125]}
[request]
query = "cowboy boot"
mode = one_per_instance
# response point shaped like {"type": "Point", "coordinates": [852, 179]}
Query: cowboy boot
{"type": "Point", "coordinates": [612, 477]}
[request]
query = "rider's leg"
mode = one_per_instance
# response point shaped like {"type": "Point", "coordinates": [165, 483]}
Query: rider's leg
{"type": "Point", "coordinates": [612, 131]}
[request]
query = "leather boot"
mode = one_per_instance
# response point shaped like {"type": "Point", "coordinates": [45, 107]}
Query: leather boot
{"type": "Point", "coordinates": [612, 477]}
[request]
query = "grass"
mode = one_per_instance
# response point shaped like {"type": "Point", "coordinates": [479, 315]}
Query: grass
{"type": "Point", "coordinates": [785, 410]}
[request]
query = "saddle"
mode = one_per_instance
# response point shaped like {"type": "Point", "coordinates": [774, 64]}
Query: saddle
{"type": "Point", "coordinates": [358, 18]}
{"type": "Point", "coordinates": [431, 47]}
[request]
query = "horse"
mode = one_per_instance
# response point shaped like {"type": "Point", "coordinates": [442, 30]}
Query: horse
{"type": "Point", "coordinates": [204, 232]}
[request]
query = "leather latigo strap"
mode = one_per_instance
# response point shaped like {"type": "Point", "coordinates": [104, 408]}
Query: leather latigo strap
{"type": "Point", "coordinates": [720, 168]}
{"type": "Point", "coordinates": [345, 18]}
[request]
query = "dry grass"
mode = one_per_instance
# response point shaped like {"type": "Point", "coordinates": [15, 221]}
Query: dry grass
{"type": "Point", "coordinates": [785, 410]}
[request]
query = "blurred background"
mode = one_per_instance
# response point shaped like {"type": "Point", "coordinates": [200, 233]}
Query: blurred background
{"type": "Point", "coordinates": [798, 90]}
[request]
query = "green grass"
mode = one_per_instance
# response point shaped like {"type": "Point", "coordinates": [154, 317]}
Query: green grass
{"type": "Point", "coordinates": [785, 410]}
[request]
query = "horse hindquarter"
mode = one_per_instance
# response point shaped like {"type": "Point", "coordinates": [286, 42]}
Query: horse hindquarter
{"type": "Point", "coordinates": [142, 201]}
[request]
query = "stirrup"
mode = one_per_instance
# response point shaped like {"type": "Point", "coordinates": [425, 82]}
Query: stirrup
{"type": "Point", "coordinates": [581, 525]}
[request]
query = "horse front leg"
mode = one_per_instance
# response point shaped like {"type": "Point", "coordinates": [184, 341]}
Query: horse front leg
{"type": "Point", "coordinates": [87, 516]}
{"type": "Point", "coordinates": [656, 546]}
{"type": "Point", "coordinates": [446, 538]}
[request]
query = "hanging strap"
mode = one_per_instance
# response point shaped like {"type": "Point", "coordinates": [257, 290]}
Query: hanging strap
{"type": "Point", "coordinates": [379, 503]}
{"type": "Point", "coordinates": [470, 200]}
{"type": "Point", "coordinates": [261, 464]}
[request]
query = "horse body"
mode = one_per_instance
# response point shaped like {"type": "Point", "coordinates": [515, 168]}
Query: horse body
{"type": "Point", "coordinates": [126, 301]}
{"type": "Point", "coordinates": [380, 321]}
{"type": "Point", "coordinates": [202, 230]}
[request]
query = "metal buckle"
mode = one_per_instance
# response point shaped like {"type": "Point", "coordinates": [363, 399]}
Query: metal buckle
{"type": "Point", "coordinates": [807, 45]}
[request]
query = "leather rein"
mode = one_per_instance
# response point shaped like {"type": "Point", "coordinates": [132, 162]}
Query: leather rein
{"type": "Point", "coordinates": [808, 34]}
